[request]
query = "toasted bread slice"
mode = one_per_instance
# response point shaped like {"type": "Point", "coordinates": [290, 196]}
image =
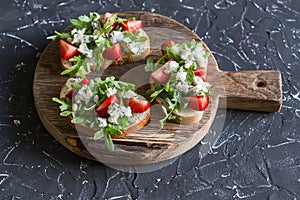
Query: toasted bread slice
{"type": "Point", "coordinates": [125, 58]}
{"type": "Point", "coordinates": [188, 115]}
{"type": "Point", "coordinates": [136, 122]}
{"type": "Point", "coordinates": [130, 57]}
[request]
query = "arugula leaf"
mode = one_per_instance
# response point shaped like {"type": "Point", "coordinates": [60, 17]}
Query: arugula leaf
{"type": "Point", "coordinates": [75, 68]}
{"type": "Point", "coordinates": [206, 55]}
{"type": "Point", "coordinates": [167, 86]}
{"type": "Point", "coordinates": [135, 37]}
{"type": "Point", "coordinates": [123, 122]}
{"type": "Point", "coordinates": [81, 73]}
{"type": "Point", "coordinates": [78, 120]}
{"type": "Point", "coordinates": [190, 76]}
{"type": "Point", "coordinates": [59, 35]}
{"type": "Point", "coordinates": [173, 107]}
{"type": "Point", "coordinates": [150, 67]}
{"type": "Point", "coordinates": [113, 129]}
{"type": "Point", "coordinates": [91, 108]}
{"type": "Point", "coordinates": [108, 142]}
{"type": "Point", "coordinates": [64, 106]}
{"type": "Point", "coordinates": [84, 18]}
{"type": "Point", "coordinates": [76, 58]}
{"type": "Point", "coordinates": [150, 91]}
{"type": "Point", "coordinates": [78, 24]}
{"type": "Point", "coordinates": [99, 134]}
{"type": "Point", "coordinates": [66, 113]}
{"type": "Point", "coordinates": [68, 70]}
{"type": "Point", "coordinates": [156, 93]}
{"type": "Point", "coordinates": [126, 86]}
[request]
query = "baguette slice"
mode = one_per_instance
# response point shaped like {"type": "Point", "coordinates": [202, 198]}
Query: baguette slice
{"type": "Point", "coordinates": [136, 122]}
{"type": "Point", "coordinates": [188, 115]}
{"type": "Point", "coordinates": [125, 58]}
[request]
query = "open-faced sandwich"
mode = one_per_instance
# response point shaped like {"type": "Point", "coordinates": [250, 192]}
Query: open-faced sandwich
{"type": "Point", "coordinates": [178, 81]}
{"type": "Point", "coordinates": [97, 41]}
{"type": "Point", "coordinates": [103, 108]}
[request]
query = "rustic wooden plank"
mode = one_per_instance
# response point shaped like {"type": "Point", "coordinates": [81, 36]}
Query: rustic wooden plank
{"type": "Point", "coordinates": [150, 144]}
{"type": "Point", "coordinates": [257, 90]}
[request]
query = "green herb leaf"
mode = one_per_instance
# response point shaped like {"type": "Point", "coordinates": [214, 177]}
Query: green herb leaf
{"type": "Point", "coordinates": [190, 76]}
{"type": "Point", "coordinates": [98, 135]}
{"type": "Point", "coordinates": [206, 54]}
{"type": "Point", "coordinates": [123, 122]}
{"type": "Point", "coordinates": [66, 113]}
{"type": "Point", "coordinates": [149, 91]}
{"type": "Point", "coordinates": [84, 18]}
{"type": "Point", "coordinates": [164, 110]}
{"type": "Point", "coordinates": [77, 24]}
{"type": "Point", "coordinates": [78, 120]}
{"type": "Point", "coordinates": [108, 142]}
{"type": "Point", "coordinates": [156, 93]}
{"type": "Point", "coordinates": [64, 106]}
{"type": "Point", "coordinates": [68, 70]}
{"type": "Point", "coordinates": [57, 100]}
{"type": "Point", "coordinates": [167, 86]}
{"type": "Point", "coordinates": [150, 65]}
{"type": "Point", "coordinates": [135, 37]}
{"type": "Point", "coordinates": [81, 73]}
{"type": "Point", "coordinates": [59, 35]}
{"type": "Point", "coordinates": [113, 129]}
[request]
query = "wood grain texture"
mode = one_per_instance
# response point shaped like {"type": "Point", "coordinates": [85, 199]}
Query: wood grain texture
{"type": "Point", "coordinates": [150, 144]}
{"type": "Point", "coordinates": [253, 90]}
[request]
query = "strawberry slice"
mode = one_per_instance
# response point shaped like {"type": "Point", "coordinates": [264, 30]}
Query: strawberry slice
{"type": "Point", "coordinates": [138, 105]}
{"type": "Point", "coordinates": [200, 72]}
{"type": "Point", "coordinates": [69, 95]}
{"type": "Point", "coordinates": [166, 44]}
{"type": "Point", "coordinates": [107, 16]}
{"type": "Point", "coordinates": [159, 76]}
{"type": "Point", "coordinates": [101, 111]}
{"type": "Point", "coordinates": [106, 19]}
{"type": "Point", "coordinates": [113, 53]}
{"type": "Point", "coordinates": [84, 81]}
{"type": "Point", "coordinates": [67, 50]}
{"type": "Point", "coordinates": [132, 25]}
{"type": "Point", "coordinates": [199, 103]}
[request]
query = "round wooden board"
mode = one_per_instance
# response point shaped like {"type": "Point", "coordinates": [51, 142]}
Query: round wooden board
{"type": "Point", "coordinates": [146, 146]}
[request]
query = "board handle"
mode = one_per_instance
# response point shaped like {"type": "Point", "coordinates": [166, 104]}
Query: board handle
{"type": "Point", "coordinates": [253, 90]}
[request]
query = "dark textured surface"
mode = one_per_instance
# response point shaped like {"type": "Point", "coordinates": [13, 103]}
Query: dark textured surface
{"type": "Point", "coordinates": [256, 157]}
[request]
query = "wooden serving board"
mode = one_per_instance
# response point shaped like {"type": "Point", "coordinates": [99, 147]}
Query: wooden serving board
{"type": "Point", "coordinates": [246, 90]}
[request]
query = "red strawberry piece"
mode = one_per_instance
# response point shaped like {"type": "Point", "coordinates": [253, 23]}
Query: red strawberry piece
{"type": "Point", "coordinates": [159, 76]}
{"type": "Point", "coordinates": [106, 18]}
{"type": "Point", "coordinates": [166, 44]}
{"type": "Point", "coordinates": [138, 105]}
{"type": "Point", "coordinates": [84, 81]}
{"type": "Point", "coordinates": [101, 110]}
{"type": "Point", "coordinates": [132, 25]}
{"type": "Point", "coordinates": [200, 72]}
{"type": "Point", "coordinates": [113, 53]}
{"type": "Point", "coordinates": [199, 103]}
{"type": "Point", "coordinates": [67, 50]}
{"type": "Point", "coordinates": [69, 95]}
